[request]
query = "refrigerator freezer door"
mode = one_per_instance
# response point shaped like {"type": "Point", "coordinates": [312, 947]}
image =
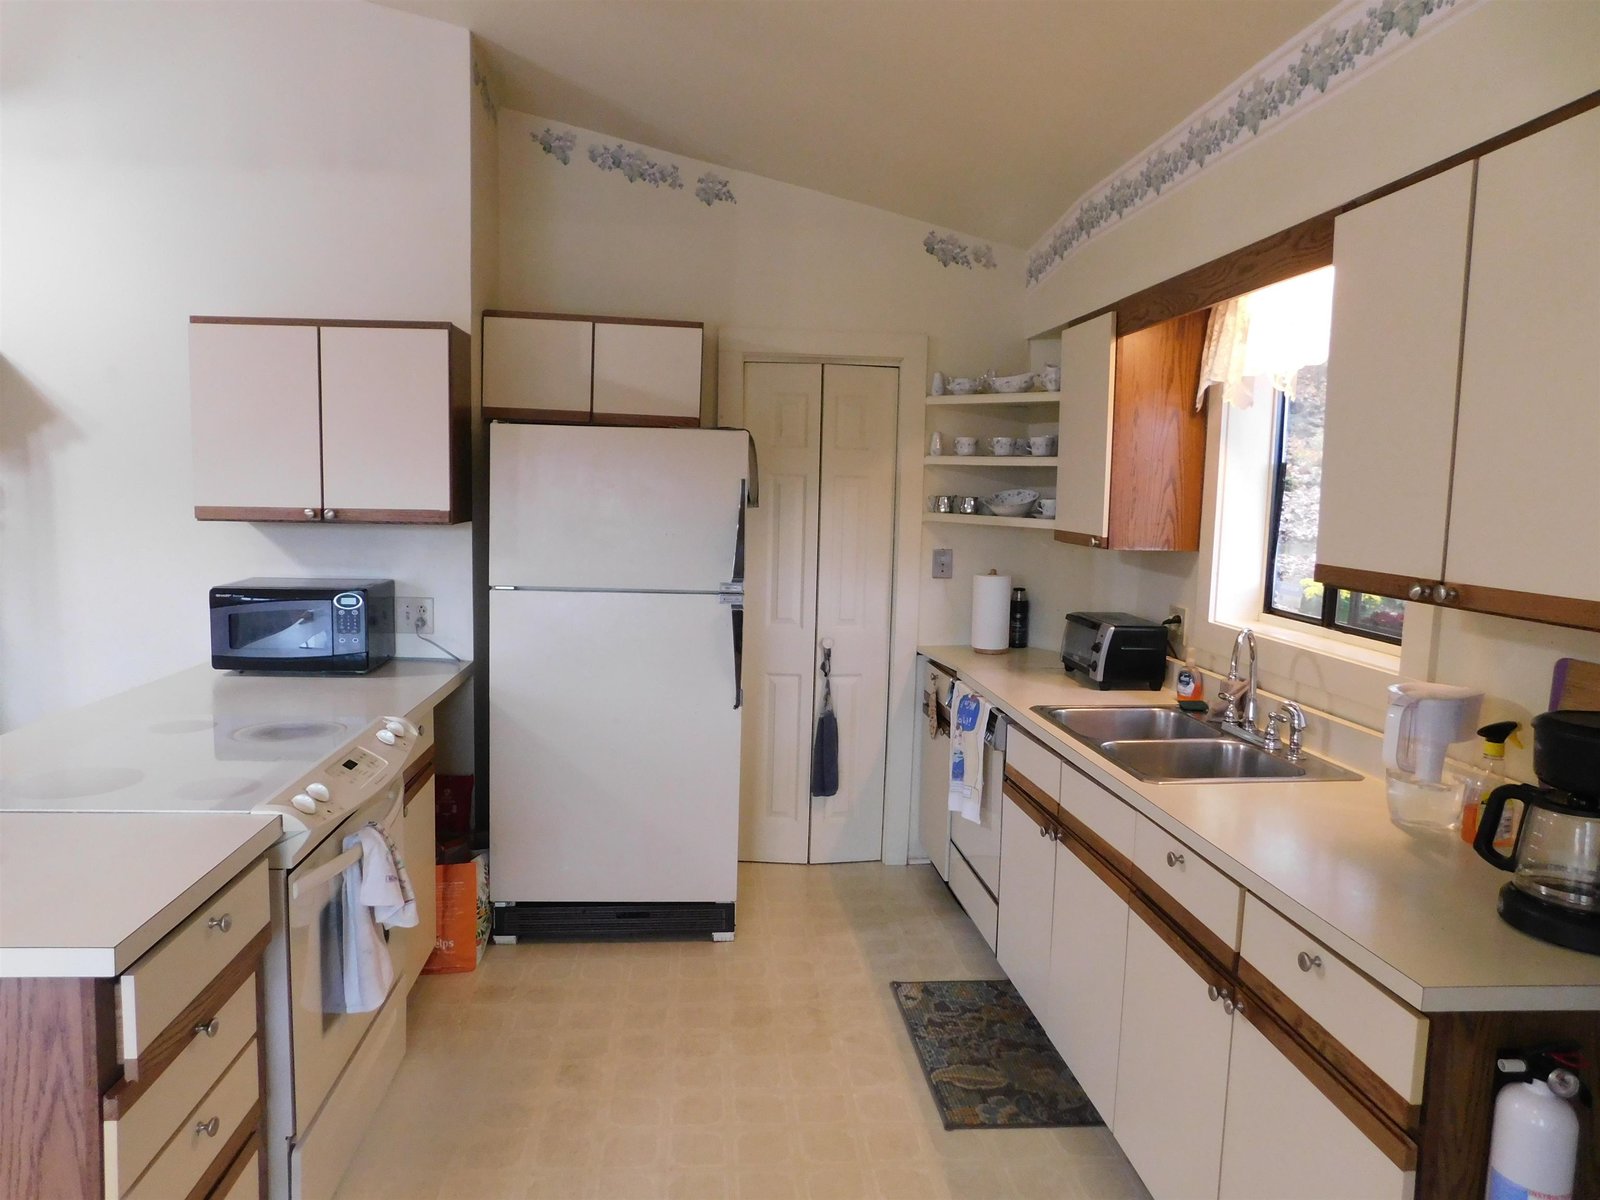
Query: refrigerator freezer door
{"type": "Point", "coordinates": [613, 748]}
{"type": "Point", "coordinates": [614, 509]}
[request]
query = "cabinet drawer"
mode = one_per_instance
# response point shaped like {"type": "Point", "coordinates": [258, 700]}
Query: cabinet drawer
{"type": "Point", "coordinates": [974, 897]}
{"type": "Point", "coordinates": [1107, 817]}
{"type": "Point", "coordinates": [1208, 895]}
{"type": "Point", "coordinates": [135, 1136]}
{"type": "Point", "coordinates": [157, 988]}
{"type": "Point", "coordinates": [1038, 766]}
{"type": "Point", "coordinates": [243, 1180]}
{"type": "Point", "coordinates": [185, 1158]}
{"type": "Point", "coordinates": [1372, 1025]}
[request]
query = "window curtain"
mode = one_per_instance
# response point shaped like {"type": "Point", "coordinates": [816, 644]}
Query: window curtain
{"type": "Point", "coordinates": [1273, 333]}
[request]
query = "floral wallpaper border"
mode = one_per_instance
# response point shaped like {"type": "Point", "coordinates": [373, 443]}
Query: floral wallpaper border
{"type": "Point", "coordinates": [1293, 80]}
{"type": "Point", "coordinates": [951, 251]}
{"type": "Point", "coordinates": [480, 84]}
{"type": "Point", "coordinates": [634, 165]}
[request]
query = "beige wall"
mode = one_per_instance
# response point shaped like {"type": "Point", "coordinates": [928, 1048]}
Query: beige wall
{"type": "Point", "coordinates": [1492, 67]}
{"type": "Point", "coordinates": [290, 159]}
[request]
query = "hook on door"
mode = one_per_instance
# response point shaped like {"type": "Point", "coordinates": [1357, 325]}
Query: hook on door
{"type": "Point", "coordinates": [827, 657]}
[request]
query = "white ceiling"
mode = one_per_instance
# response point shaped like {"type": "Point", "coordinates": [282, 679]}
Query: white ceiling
{"type": "Point", "coordinates": [989, 117]}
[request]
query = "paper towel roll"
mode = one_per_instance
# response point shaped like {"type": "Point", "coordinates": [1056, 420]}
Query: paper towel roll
{"type": "Point", "coordinates": [991, 613]}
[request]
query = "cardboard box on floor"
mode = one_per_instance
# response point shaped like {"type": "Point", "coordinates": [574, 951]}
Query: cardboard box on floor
{"type": "Point", "coordinates": [464, 917]}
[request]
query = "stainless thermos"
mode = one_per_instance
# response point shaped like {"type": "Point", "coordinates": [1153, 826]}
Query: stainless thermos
{"type": "Point", "coordinates": [1019, 619]}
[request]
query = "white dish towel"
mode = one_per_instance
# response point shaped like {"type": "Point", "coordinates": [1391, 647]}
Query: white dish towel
{"type": "Point", "coordinates": [357, 969]}
{"type": "Point", "coordinates": [969, 720]}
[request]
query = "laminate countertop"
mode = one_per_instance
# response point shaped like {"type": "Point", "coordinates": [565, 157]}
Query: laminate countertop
{"type": "Point", "coordinates": [1414, 911]}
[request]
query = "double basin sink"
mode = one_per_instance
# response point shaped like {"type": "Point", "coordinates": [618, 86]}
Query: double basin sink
{"type": "Point", "coordinates": [1164, 745]}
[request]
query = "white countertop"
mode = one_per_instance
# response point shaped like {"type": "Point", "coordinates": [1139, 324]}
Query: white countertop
{"type": "Point", "coordinates": [85, 894]}
{"type": "Point", "coordinates": [204, 740]}
{"type": "Point", "coordinates": [1414, 911]}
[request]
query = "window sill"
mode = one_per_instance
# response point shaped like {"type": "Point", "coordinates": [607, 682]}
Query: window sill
{"type": "Point", "coordinates": [1364, 652]}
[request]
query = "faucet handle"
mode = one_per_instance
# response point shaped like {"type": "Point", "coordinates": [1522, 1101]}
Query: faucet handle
{"type": "Point", "coordinates": [1296, 717]}
{"type": "Point", "coordinates": [1270, 741]}
{"type": "Point", "coordinates": [1231, 691]}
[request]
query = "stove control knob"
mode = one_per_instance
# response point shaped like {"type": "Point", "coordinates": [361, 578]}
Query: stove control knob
{"type": "Point", "coordinates": [317, 791]}
{"type": "Point", "coordinates": [398, 728]}
{"type": "Point", "coordinates": [387, 737]}
{"type": "Point", "coordinates": [304, 803]}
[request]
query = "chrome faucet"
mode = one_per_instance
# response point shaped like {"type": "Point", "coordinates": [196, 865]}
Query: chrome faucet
{"type": "Point", "coordinates": [1236, 689]}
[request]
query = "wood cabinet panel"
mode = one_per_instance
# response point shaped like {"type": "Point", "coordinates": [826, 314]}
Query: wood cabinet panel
{"type": "Point", "coordinates": [1523, 510]}
{"type": "Point", "coordinates": [540, 363]}
{"type": "Point", "coordinates": [1399, 286]}
{"type": "Point", "coordinates": [1083, 471]}
{"type": "Point", "coordinates": [1027, 892]}
{"type": "Point", "coordinates": [255, 418]}
{"type": "Point", "coordinates": [1284, 1140]}
{"type": "Point", "coordinates": [648, 371]}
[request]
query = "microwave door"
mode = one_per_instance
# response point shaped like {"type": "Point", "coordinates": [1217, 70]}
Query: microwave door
{"type": "Point", "coordinates": [276, 629]}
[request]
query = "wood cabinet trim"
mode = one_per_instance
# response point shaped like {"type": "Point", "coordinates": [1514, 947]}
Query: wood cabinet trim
{"type": "Point", "coordinates": [1191, 926]}
{"type": "Point", "coordinates": [229, 1154]}
{"type": "Point", "coordinates": [537, 416]}
{"type": "Point", "coordinates": [241, 1160]}
{"type": "Point", "coordinates": [392, 516]}
{"type": "Point", "coordinates": [140, 1073]}
{"type": "Point", "coordinates": [1031, 792]}
{"type": "Point", "coordinates": [594, 320]}
{"type": "Point", "coordinates": [1100, 868]}
{"type": "Point", "coordinates": [1025, 803]}
{"type": "Point", "coordinates": [1200, 962]}
{"type": "Point", "coordinates": [1115, 860]}
{"type": "Point", "coordinates": [645, 420]}
{"type": "Point", "coordinates": [328, 323]}
{"type": "Point", "coordinates": [1362, 1079]}
{"type": "Point", "coordinates": [1527, 606]}
{"type": "Point", "coordinates": [211, 512]}
{"type": "Point", "coordinates": [1078, 539]}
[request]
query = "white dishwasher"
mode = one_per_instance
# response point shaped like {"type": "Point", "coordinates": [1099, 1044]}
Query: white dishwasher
{"type": "Point", "coordinates": [975, 845]}
{"type": "Point", "coordinates": [933, 794]}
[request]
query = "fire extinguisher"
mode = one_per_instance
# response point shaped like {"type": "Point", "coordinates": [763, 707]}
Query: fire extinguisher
{"type": "Point", "coordinates": [1533, 1150]}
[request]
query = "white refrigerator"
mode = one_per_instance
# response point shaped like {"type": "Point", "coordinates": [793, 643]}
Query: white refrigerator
{"type": "Point", "coordinates": [616, 563]}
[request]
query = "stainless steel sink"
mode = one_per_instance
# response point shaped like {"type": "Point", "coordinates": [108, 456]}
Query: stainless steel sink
{"type": "Point", "coordinates": [1163, 745]}
{"type": "Point", "coordinates": [1099, 725]}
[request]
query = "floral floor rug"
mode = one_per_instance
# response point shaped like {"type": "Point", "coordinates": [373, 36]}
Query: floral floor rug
{"type": "Point", "coordinates": [986, 1058]}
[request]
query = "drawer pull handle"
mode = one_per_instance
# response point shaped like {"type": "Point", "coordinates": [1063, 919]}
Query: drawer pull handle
{"type": "Point", "coordinates": [221, 924]}
{"type": "Point", "coordinates": [1043, 832]}
{"type": "Point", "coordinates": [1231, 1006]}
{"type": "Point", "coordinates": [209, 1128]}
{"type": "Point", "coordinates": [1213, 993]}
{"type": "Point", "coordinates": [1308, 961]}
{"type": "Point", "coordinates": [209, 1028]}
{"type": "Point", "coordinates": [1174, 859]}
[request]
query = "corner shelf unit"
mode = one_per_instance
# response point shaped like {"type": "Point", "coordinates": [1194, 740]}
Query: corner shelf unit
{"type": "Point", "coordinates": [984, 415]}
{"type": "Point", "coordinates": [989, 460]}
{"type": "Point", "coordinates": [995, 399]}
{"type": "Point", "coordinates": [1044, 524]}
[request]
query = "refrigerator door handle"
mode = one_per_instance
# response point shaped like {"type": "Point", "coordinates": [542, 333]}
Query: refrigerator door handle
{"type": "Point", "coordinates": [737, 612]}
{"type": "Point", "coordinates": [752, 496]}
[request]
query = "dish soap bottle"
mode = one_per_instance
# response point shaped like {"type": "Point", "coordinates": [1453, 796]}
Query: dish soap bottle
{"type": "Point", "coordinates": [1489, 774]}
{"type": "Point", "coordinates": [1190, 686]}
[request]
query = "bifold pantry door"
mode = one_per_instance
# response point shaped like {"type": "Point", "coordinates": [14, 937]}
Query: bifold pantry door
{"type": "Point", "coordinates": [819, 555]}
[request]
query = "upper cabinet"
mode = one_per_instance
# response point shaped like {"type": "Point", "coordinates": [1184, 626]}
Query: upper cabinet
{"type": "Point", "coordinates": [581, 370]}
{"type": "Point", "coordinates": [1464, 387]}
{"type": "Point", "coordinates": [296, 420]}
{"type": "Point", "coordinates": [1132, 453]}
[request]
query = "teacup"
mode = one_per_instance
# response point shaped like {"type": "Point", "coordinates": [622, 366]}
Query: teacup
{"type": "Point", "coordinates": [1042, 445]}
{"type": "Point", "coordinates": [1002, 447]}
{"type": "Point", "coordinates": [967, 505]}
{"type": "Point", "coordinates": [966, 445]}
{"type": "Point", "coordinates": [1046, 507]}
{"type": "Point", "coordinates": [939, 504]}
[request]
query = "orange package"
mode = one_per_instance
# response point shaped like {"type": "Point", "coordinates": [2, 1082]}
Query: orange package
{"type": "Point", "coordinates": [463, 926]}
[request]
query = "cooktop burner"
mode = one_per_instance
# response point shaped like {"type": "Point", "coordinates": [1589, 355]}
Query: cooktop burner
{"type": "Point", "coordinates": [288, 731]}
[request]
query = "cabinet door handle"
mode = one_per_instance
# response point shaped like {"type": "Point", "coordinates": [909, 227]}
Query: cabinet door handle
{"type": "Point", "coordinates": [1445, 594]}
{"type": "Point", "coordinates": [221, 924]}
{"type": "Point", "coordinates": [311, 514]}
{"type": "Point", "coordinates": [209, 1128]}
{"type": "Point", "coordinates": [329, 514]}
{"type": "Point", "coordinates": [1174, 859]}
{"type": "Point", "coordinates": [1213, 993]}
{"type": "Point", "coordinates": [1231, 1006]}
{"type": "Point", "coordinates": [209, 1028]}
{"type": "Point", "coordinates": [1420, 591]}
{"type": "Point", "coordinates": [1307, 961]}
{"type": "Point", "coordinates": [1043, 832]}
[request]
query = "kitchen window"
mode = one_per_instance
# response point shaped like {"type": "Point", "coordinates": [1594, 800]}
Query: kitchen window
{"type": "Point", "coordinates": [1296, 496]}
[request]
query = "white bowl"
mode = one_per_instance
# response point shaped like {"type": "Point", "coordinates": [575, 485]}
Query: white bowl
{"type": "Point", "coordinates": [1013, 502]}
{"type": "Point", "coordinates": [960, 385]}
{"type": "Point", "coordinates": [1011, 383]}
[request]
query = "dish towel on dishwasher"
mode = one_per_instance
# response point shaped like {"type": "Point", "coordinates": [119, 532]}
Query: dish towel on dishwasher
{"type": "Point", "coordinates": [357, 971]}
{"type": "Point", "coordinates": [969, 720]}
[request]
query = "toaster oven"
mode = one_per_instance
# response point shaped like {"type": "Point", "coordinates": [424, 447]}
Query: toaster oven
{"type": "Point", "coordinates": [1115, 650]}
{"type": "Point", "coordinates": [322, 626]}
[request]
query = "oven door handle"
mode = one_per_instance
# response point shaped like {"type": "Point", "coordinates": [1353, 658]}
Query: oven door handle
{"type": "Point", "coordinates": [318, 876]}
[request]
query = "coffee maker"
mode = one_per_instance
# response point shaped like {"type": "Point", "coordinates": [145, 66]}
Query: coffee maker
{"type": "Point", "coordinates": [1554, 893]}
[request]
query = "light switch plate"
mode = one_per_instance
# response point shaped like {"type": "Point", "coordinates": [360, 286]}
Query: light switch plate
{"type": "Point", "coordinates": [943, 563]}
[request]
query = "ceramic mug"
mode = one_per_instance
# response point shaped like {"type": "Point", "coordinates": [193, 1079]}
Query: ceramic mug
{"type": "Point", "coordinates": [939, 504]}
{"type": "Point", "coordinates": [1050, 378]}
{"type": "Point", "coordinates": [1046, 507]}
{"type": "Point", "coordinates": [1042, 445]}
{"type": "Point", "coordinates": [966, 445]}
{"type": "Point", "coordinates": [967, 505]}
{"type": "Point", "coordinates": [1003, 447]}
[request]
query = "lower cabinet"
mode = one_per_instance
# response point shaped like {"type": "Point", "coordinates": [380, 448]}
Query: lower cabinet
{"type": "Point", "coordinates": [1284, 1140]}
{"type": "Point", "coordinates": [1172, 1070]}
{"type": "Point", "coordinates": [1082, 1011]}
{"type": "Point", "coordinates": [1027, 889]}
{"type": "Point", "coordinates": [411, 947]}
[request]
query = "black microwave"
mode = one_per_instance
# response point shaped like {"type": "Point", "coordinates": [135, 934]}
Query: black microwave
{"type": "Point", "coordinates": [325, 626]}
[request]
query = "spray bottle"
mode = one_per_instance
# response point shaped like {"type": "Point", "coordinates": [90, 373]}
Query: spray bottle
{"type": "Point", "coordinates": [1489, 774]}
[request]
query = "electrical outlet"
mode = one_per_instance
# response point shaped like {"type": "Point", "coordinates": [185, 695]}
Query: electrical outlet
{"type": "Point", "coordinates": [1175, 632]}
{"type": "Point", "coordinates": [943, 564]}
{"type": "Point", "coordinates": [413, 614]}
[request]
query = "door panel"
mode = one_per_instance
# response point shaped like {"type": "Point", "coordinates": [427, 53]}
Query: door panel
{"type": "Point", "coordinates": [1027, 896]}
{"type": "Point", "coordinates": [783, 408]}
{"type": "Point", "coordinates": [1083, 473]}
{"type": "Point", "coordinates": [856, 555]}
{"type": "Point", "coordinates": [537, 363]}
{"type": "Point", "coordinates": [647, 370]}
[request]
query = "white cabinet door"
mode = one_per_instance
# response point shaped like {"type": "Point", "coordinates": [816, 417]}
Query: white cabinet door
{"type": "Point", "coordinates": [651, 372]}
{"type": "Point", "coordinates": [1172, 1071]}
{"type": "Point", "coordinates": [540, 364]}
{"type": "Point", "coordinates": [385, 420]}
{"type": "Point", "coordinates": [1526, 494]}
{"type": "Point", "coordinates": [1284, 1140]}
{"type": "Point", "coordinates": [1083, 473]}
{"type": "Point", "coordinates": [1088, 951]}
{"type": "Point", "coordinates": [255, 420]}
{"type": "Point", "coordinates": [418, 851]}
{"type": "Point", "coordinates": [1027, 892]}
{"type": "Point", "coordinates": [1399, 278]}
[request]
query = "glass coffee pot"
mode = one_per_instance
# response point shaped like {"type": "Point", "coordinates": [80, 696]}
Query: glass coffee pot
{"type": "Point", "coordinates": [1554, 891]}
